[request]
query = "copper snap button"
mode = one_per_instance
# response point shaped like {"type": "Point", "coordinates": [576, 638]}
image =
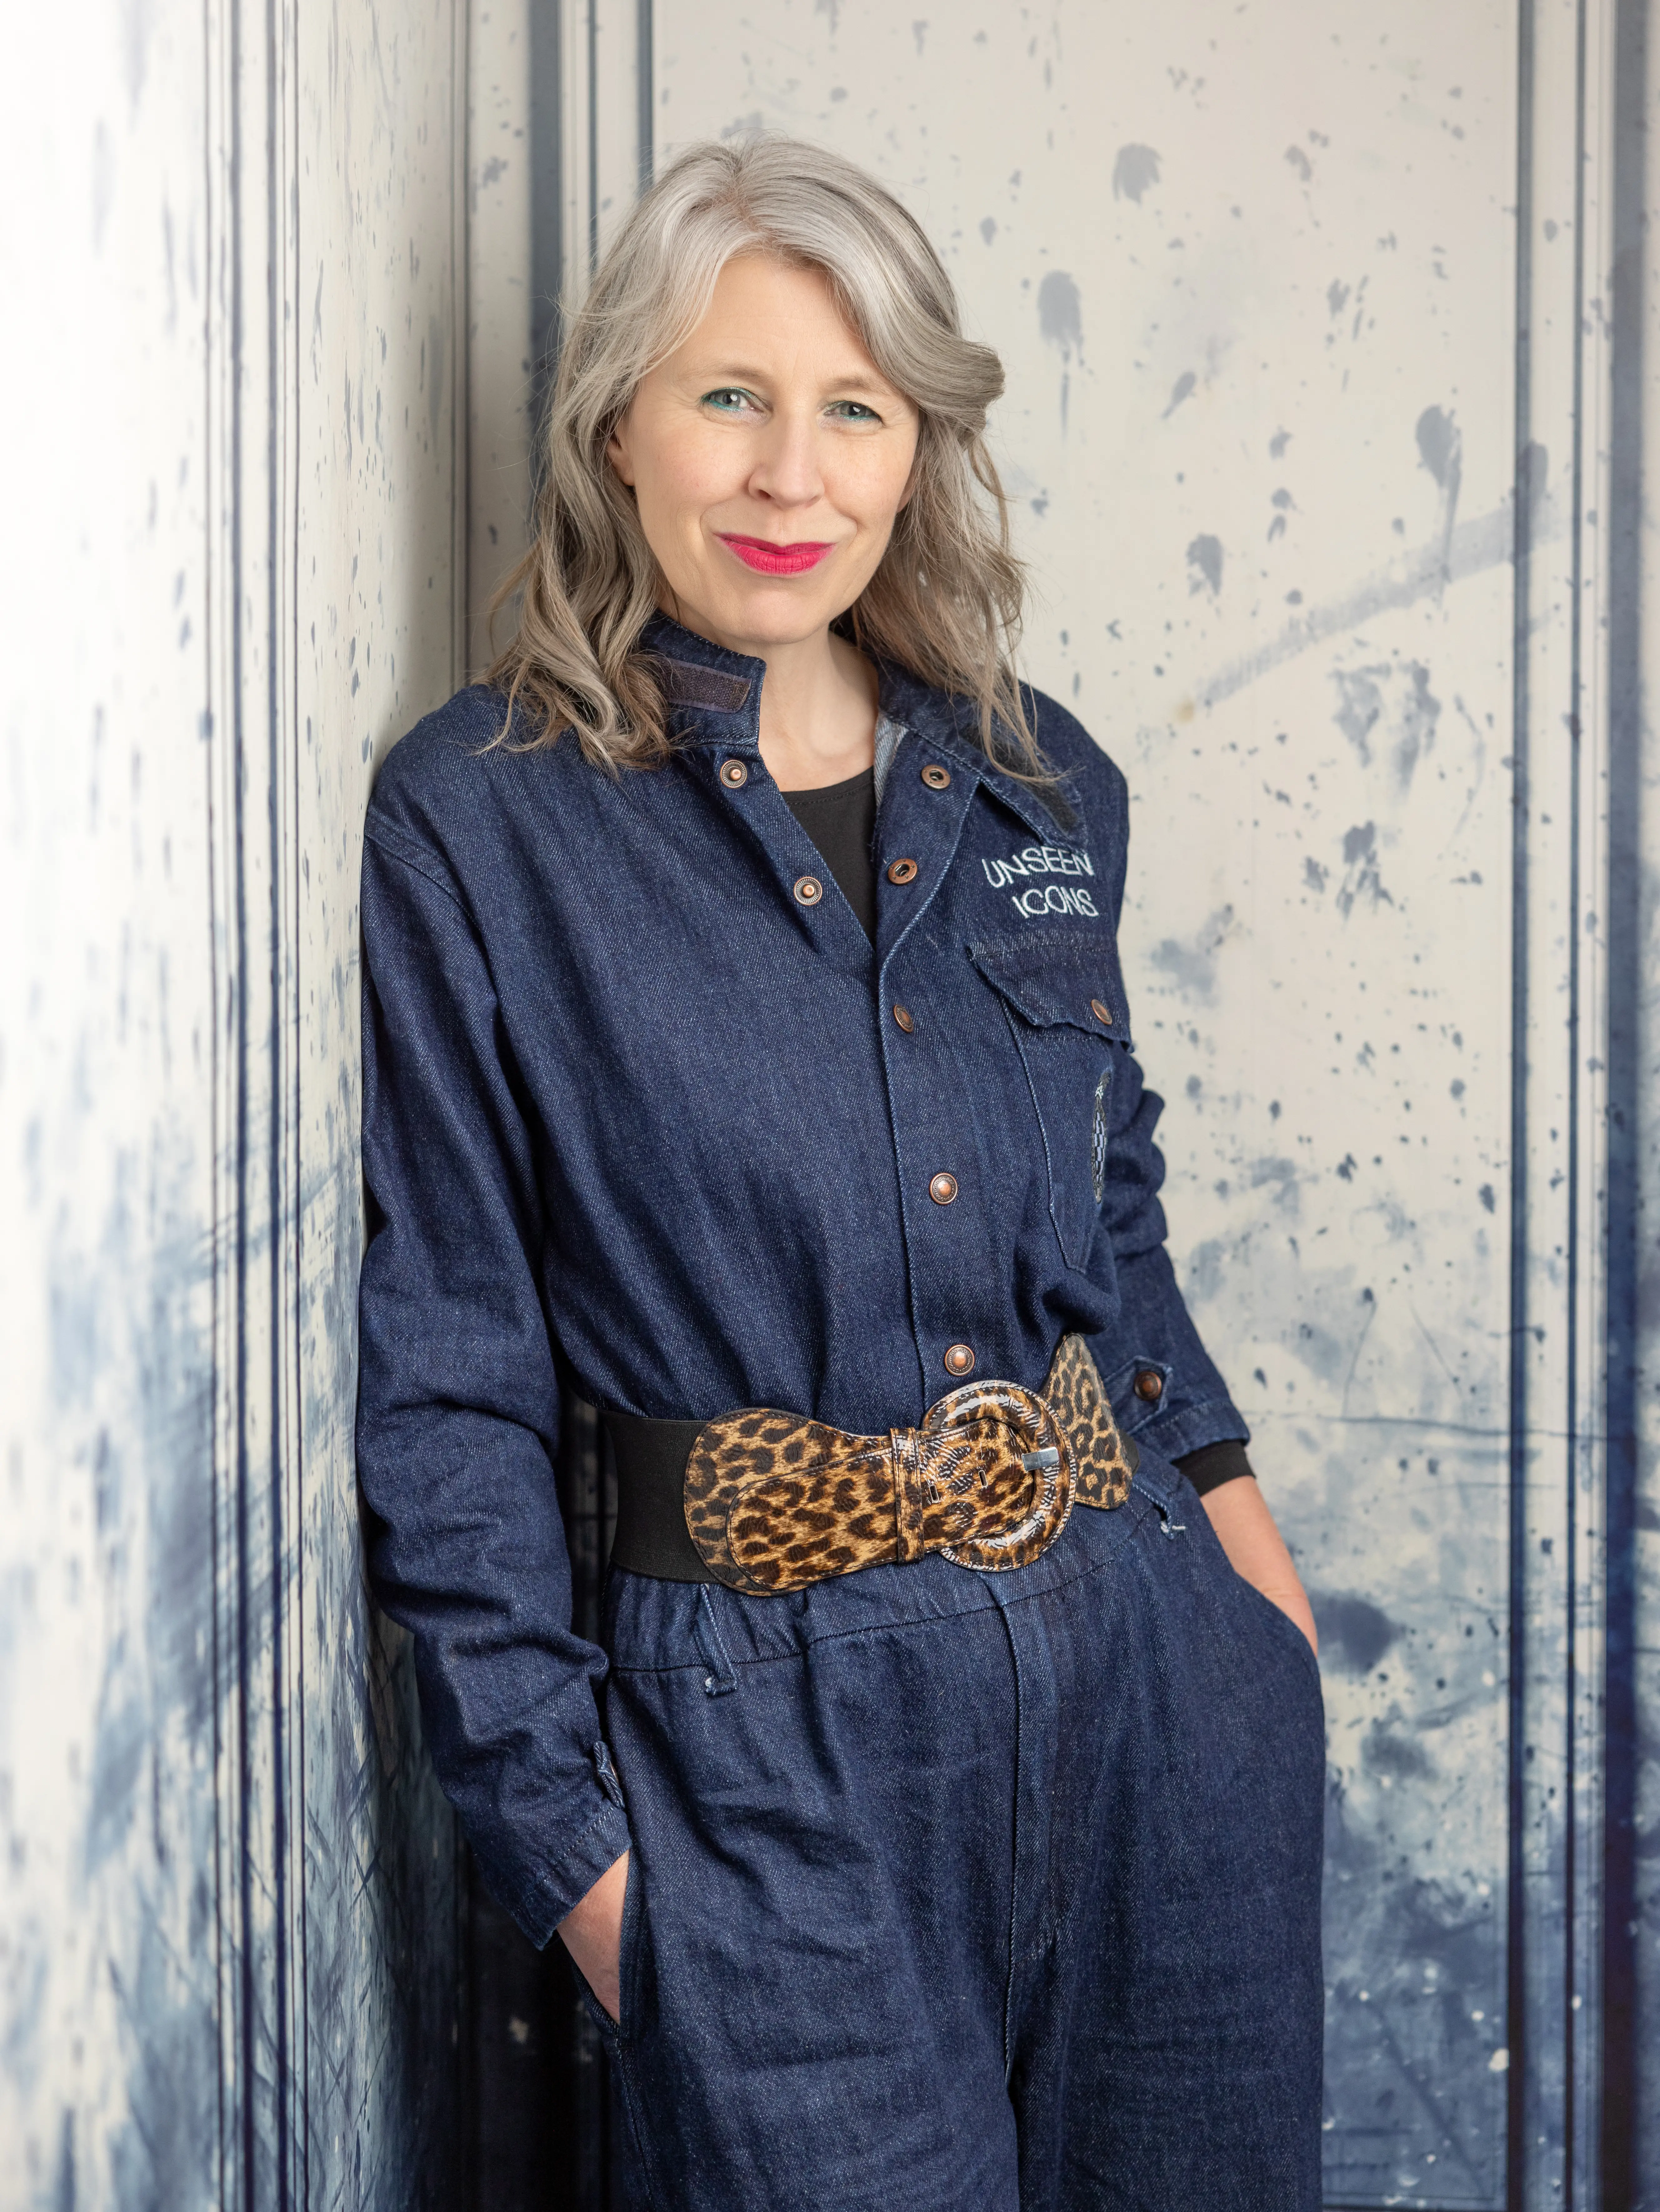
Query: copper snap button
{"type": "Point", "coordinates": [734, 775]}
{"type": "Point", "coordinates": [907, 1022]}
{"type": "Point", "coordinates": [936, 777]}
{"type": "Point", "coordinates": [959, 1359]}
{"type": "Point", "coordinates": [902, 872]}
{"type": "Point", "coordinates": [1150, 1385]}
{"type": "Point", "coordinates": [943, 1189]}
{"type": "Point", "coordinates": [809, 890]}
{"type": "Point", "coordinates": [1102, 1013]}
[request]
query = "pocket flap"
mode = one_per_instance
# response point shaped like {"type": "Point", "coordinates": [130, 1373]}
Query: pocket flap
{"type": "Point", "coordinates": [1055, 977]}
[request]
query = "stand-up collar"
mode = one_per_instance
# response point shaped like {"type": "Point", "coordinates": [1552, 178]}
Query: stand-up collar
{"type": "Point", "coordinates": [714, 696]}
{"type": "Point", "coordinates": [714, 699]}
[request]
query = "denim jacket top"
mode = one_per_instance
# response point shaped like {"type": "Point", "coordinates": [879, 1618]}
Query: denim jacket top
{"type": "Point", "coordinates": [627, 1094]}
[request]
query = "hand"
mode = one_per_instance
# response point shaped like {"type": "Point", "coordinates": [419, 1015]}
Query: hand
{"type": "Point", "coordinates": [592, 1931]}
{"type": "Point", "coordinates": [1245, 1528]}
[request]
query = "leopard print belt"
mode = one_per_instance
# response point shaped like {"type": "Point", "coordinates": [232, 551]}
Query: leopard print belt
{"type": "Point", "coordinates": [771, 1503]}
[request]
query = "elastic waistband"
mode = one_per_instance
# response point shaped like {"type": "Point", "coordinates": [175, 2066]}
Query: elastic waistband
{"type": "Point", "coordinates": [652, 1537]}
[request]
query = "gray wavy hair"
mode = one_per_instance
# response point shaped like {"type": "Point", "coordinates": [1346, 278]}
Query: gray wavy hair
{"type": "Point", "coordinates": [946, 597]}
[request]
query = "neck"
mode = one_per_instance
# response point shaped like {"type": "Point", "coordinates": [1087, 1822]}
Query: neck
{"type": "Point", "coordinates": [818, 706]}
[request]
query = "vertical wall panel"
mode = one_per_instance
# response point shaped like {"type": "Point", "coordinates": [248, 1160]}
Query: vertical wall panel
{"type": "Point", "coordinates": [108, 2085]}
{"type": "Point", "coordinates": [229, 1938]}
{"type": "Point", "coordinates": [500, 308]}
{"type": "Point", "coordinates": [1634, 1086]}
{"type": "Point", "coordinates": [1559, 1189]}
{"type": "Point", "coordinates": [380, 551]}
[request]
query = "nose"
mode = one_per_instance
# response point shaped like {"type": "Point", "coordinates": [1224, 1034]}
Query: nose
{"type": "Point", "coordinates": [787, 470]}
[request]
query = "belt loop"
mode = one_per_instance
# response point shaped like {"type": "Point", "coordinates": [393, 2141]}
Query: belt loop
{"type": "Point", "coordinates": [1161, 1496]}
{"type": "Point", "coordinates": [721, 1678]}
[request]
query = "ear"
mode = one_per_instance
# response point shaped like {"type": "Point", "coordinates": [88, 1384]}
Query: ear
{"type": "Point", "coordinates": [616, 451]}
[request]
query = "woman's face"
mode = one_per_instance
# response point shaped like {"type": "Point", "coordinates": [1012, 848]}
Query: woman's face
{"type": "Point", "coordinates": [769, 457]}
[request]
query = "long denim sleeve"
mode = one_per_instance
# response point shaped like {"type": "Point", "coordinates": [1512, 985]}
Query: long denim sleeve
{"type": "Point", "coordinates": [1151, 1334]}
{"type": "Point", "coordinates": [459, 1407]}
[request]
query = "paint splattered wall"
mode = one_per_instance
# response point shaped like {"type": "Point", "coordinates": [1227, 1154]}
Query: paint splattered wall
{"type": "Point", "coordinates": [1305, 316]}
{"type": "Point", "coordinates": [227, 1923]}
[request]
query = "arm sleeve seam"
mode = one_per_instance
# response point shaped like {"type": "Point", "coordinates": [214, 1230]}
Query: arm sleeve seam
{"type": "Point", "coordinates": [609, 1808]}
{"type": "Point", "coordinates": [428, 869]}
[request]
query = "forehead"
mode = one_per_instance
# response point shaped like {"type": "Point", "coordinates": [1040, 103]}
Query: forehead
{"type": "Point", "coordinates": [777, 312]}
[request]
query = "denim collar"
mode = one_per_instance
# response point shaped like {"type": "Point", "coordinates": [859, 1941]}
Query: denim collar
{"type": "Point", "coordinates": [714, 699]}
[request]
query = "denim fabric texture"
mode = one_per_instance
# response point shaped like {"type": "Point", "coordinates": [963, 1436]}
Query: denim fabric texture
{"type": "Point", "coordinates": [974, 1894]}
{"type": "Point", "coordinates": [642, 1123]}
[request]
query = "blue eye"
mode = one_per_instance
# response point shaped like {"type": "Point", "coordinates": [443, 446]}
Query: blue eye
{"type": "Point", "coordinates": [855, 410]}
{"type": "Point", "coordinates": [730, 398]}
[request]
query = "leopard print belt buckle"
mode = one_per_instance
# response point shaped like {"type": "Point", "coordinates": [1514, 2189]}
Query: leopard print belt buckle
{"type": "Point", "coordinates": [774, 1502]}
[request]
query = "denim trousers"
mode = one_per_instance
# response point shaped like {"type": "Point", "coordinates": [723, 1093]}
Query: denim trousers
{"type": "Point", "coordinates": [964, 1893]}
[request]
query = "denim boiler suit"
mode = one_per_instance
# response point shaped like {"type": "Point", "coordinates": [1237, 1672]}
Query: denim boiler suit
{"type": "Point", "coordinates": [949, 1892]}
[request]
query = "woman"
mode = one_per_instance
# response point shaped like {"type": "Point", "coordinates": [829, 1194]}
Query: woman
{"type": "Point", "coordinates": [744, 1037]}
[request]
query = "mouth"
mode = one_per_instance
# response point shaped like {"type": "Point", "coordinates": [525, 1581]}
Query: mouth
{"type": "Point", "coordinates": [770, 559]}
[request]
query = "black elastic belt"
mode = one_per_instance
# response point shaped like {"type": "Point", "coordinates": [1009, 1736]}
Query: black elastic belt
{"type": "Point", "coordinates": [652, 1537]}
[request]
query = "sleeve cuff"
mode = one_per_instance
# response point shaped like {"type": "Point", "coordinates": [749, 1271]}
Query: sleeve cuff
{"type": "Point", "coordinates": [1213, 1465]}
{"type": "Point", "coordinates": [564, 1883]}
{"type": "Point", "coordinates": [1175, 1432]}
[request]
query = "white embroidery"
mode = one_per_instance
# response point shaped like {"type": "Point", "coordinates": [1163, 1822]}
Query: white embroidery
{"type": "Point", "coordinates": [1054, 898]}
{"type": "Point", "coordinates": [1039, 860]}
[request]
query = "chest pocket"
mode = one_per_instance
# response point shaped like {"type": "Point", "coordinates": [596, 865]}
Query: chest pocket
{"type": "Point", "coordinates": [1062, 994]}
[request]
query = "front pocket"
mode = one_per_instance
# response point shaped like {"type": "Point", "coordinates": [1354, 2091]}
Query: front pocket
{"type": "Point", "coordinates": [1063, 998]}
{"type": "Point", "coordinates": [628, 1948]}
{"type": "Point", "coordinates": [1279, 1624]}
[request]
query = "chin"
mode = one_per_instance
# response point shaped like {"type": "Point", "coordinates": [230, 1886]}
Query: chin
{"type": "Point", "coordinates": [775, 616]}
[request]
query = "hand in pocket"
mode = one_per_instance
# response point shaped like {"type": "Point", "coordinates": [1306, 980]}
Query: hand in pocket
{"type": "Point", "coordinates": [592, 1931]}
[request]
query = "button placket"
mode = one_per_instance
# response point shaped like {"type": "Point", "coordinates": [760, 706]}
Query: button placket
{"type": "Point", "coordinates": [919, 824]}
{"type": "Point", "coordinates": [920, 828]}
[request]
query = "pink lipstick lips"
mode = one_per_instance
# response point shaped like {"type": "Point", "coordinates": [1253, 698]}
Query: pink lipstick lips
{"type": "Point", "coordinates": [770, 560]}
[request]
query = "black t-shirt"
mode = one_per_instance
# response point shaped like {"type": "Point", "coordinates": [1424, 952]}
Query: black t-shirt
{"type": "Point", "coordinates": [840, 820]}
